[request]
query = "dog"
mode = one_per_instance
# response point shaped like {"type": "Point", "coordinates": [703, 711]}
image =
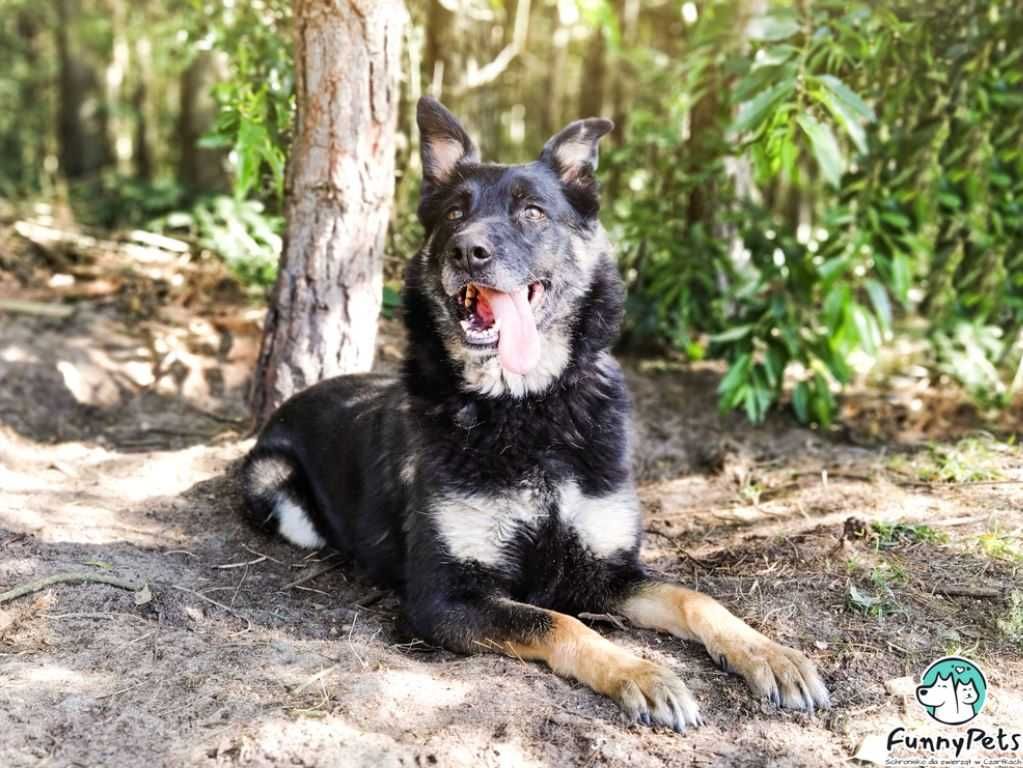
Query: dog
{"type": "Point", "coordinates": [490, 482]}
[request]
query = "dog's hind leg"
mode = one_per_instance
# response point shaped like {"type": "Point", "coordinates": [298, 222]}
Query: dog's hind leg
{"type": "Point", "coordinates": [772, 670]}
{"type": "Point", "coordinates": [647, 692]}
{"type": "Point", "coordinates": [277, 498]}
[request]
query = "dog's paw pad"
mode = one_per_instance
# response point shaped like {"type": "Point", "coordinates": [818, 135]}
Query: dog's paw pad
{"type": "Point", "coordinates": [650, 694]}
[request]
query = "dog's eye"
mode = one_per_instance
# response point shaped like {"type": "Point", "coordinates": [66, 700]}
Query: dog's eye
{"type": "Point", "coordinates": [454, 214]}
{"type": "Point", "coordinates": [532, 213]}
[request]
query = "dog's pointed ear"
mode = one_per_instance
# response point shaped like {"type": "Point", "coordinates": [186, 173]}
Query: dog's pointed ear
{"type": "Point", "coordinates": [443, 142]}
{"type": "Point", "coordinates": [572, 154]}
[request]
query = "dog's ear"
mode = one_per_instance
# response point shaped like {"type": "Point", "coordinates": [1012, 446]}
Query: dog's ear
{"type": "Point", "coordinates": [443, 142]}
{"type": "Point", "coordinates": [572, 154]}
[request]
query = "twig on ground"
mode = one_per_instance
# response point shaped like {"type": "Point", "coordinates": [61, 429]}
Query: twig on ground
{"type": "Point", "coordinates": [310, 576]}
{"type": "Point", "coordinates": [122, 690]}
{"type": "Point", "coordinates": [318, 676]}
{"type": "Point", "coordinates": [240, 565]}
{"type": "Point", "coordinates": [64, 578]}
{"type": "Point", "coordinates": [978, 592]}
{"type": "Point", "coordinates": [312, 589]}
{"type": "Point", "coordinates": [95, 615]}
{"type": "Point", "coordinates": [250, 550]}
{"type": "Point", "coordinates": [139, 639]}
{"type": "Point", "coordinates": [607, 618]}
{"type": "Point", "coordinates": [211, 601]}
{"type": "Point", "coordinates": [38, 308]}
{"type": "Point", "coordinates": [351, 645]}
{"type": "Point", "coordinates": [245, 575]}
{"type": "Point", "coordinates": [955, 521]}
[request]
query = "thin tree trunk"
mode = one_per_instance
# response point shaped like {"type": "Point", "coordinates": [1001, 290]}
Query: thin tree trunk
{"type": "Point", "coordinates": [340, 188]}
{"type": "Point", "coordinates": [187, 124]}
{"type": "Point", "coordinates": [591, 94]}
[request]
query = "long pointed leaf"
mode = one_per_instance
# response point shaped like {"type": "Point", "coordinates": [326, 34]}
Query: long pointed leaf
{"type": "Point", "coordinates": [825, 148]}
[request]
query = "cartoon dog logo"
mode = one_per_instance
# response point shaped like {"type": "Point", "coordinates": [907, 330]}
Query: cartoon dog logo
{"type": "Point", "coordinates": [952, 690]}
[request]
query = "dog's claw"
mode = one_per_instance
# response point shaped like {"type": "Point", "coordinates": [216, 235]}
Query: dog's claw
{"type": "Point", "coordinates": [653, 695]}
{"type": "Point", "coordinates": [780, 674]}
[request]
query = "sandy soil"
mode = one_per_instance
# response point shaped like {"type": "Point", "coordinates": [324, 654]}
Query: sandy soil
{"type": "Point", "coordinates": [119, 428]}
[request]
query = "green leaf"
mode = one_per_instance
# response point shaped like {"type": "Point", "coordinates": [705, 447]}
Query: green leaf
{"type": "Point", "coordinates": [833, 268]}
{"type": "Point", "coordinates": [866, 329]}
{"type": "Point", "coordinates": [902, 276]}
{"type": "Point", "coordinates": [822, 403]}
{"type": "Point", "coordinates": [775, 55]}
{"type": "Point", "coordinates": [862, 601]}
{"type": "Point", "coordinates": [772, 28]}
{"type": "Point", "coordinates": [845, 117]}
{"type": "Point", "coordinates": [753, 112]}
{"type": "Point", "coordinates": [882, 305]}
{"type": "Point", "coordinates": [897, 220]}
{"type": "Point", "coordinates": [825, 149]}
{"type": "Point", "coordinates": [732, 334]}
{"type": "Point", "coordinates": [801, 402]}
{"type": "Point", "coordinates": [774, 365]}
{"type": "Point", "coordinates": [848, 97]}
{"type": "Point", "coordinates": [736, 374]}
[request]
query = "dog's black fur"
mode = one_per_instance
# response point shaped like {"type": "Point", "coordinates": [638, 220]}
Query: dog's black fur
{"type": "Point", "coordinates": [386, 470]}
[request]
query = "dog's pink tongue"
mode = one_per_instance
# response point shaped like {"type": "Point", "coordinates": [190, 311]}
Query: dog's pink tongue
{"type": "Point", "coordinates": [519, 343]}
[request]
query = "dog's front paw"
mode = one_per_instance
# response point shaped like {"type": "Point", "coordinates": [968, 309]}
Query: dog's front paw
{"type": "Point", "coordinates": [776, 672]}
{"type": "Point", "coordinates": [654, 695]}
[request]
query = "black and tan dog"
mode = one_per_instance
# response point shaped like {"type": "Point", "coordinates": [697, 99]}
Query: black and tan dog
{"type": "Point", "coordinates": [490, 483]}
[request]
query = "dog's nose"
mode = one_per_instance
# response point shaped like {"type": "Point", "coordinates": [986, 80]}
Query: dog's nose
{"type": "Point", "coordinates": [471, 255]}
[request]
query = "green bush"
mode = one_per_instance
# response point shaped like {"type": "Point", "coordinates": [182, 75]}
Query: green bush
{"type": "Point", "coordinates": [856, 168]}
{"type": "Point", "coordinates": [239, 231]}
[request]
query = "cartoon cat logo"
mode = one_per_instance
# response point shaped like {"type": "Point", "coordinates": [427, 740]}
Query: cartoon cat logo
{"type": "Point", "coordinates": [952, 690]}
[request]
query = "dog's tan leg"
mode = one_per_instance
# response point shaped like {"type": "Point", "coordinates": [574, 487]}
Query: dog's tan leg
{"type": "Point", "coordinates": [646, 692]}
{"type": "Point", "coordinates": [781, 674]}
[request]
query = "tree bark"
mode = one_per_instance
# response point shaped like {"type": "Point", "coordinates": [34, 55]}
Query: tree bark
{"type": "Point", "coordinates": [340, 187]}
{"type": "Point", "coordinates": [82, 109]}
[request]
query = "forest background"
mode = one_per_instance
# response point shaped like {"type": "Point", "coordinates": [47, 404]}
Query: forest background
{"type": "Point", "coordinates": [816, 192]}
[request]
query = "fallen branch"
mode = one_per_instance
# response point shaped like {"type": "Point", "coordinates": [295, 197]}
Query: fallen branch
{"type": "Point", "coordinates": [63, 578]}
{"type": "Point", "coordinates": [37, 308]}
{"type": "Point", "coordinates": [978, 592]}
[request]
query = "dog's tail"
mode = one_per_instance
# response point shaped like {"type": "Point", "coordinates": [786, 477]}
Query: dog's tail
{"type": "Point", "coordinates": [278, 498]}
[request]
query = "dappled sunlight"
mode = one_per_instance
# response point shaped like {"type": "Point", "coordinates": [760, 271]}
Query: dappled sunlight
{"type": "Point", "coordinates": [85, 494]}
{"type": "Point", "coordinates": [406, 688]}
{"type": "Point", "coordinates": [339, 741]}
{"type": "Point", "coordinates": [26, 676]}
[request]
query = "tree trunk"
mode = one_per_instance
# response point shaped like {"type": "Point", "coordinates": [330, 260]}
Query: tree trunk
{"type": "Point", "coordinates": [340, 187]}
{"type": "Point", "coordinates": [82, 111]}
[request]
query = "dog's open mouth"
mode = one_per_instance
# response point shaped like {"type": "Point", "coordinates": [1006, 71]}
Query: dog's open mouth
{"type": "Point", "coordinates": [506, 320]}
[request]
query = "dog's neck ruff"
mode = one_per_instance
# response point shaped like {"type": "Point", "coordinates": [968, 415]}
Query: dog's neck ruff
{"type": "Point", "coordinates": [486, 376]}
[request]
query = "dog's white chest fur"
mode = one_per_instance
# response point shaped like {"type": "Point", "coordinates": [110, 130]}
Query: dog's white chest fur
{"type": "Point", "coordinates": [481, 527]}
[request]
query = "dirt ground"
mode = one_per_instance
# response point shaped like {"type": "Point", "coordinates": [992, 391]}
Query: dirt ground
{"type": "Point", "coordinates": [876, 547]}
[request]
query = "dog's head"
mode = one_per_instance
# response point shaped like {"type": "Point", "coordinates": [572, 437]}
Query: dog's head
{"type": "Point", "coordinates": [515, 279]}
